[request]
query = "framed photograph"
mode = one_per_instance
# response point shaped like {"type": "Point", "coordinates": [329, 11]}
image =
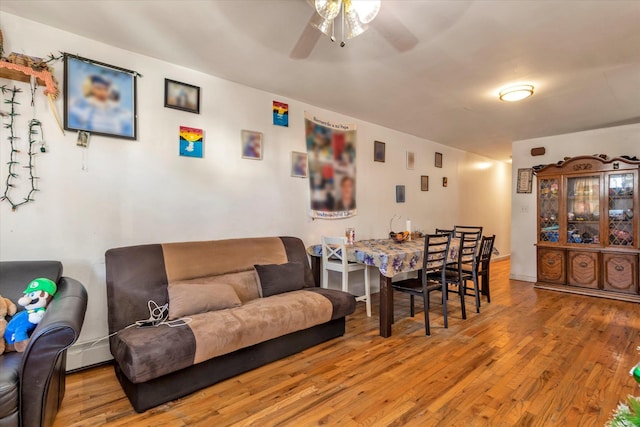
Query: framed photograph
{"type": "Point", "coordinates": [400, 194]}
{"type": "Point", "coordinates": [99, 98]}
{"type": "Point", "coordinates": [438, 160]}
{"type": "Point", "coordinates": [379, 151]}
{"type": "Point", "coordinates": [525, 179]}
{"type": "Point", "coordinates": [411, 160]}
{"type": "Point", "coordinates": [445, 182]}
{"type": "Point", "coordinates": [299, 166]}
{"type": "Point", "coordinates": [424, 183]}
{"type": "Point", "coordinates": [251, 145]}
{"type": "Point", "coordinates": [191, 142]}
{"type": "Point", "coordinates": [181, 96]}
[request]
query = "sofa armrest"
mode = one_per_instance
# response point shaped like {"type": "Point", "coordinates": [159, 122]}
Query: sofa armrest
{"type": "Point", "coordinates": [44, 360]}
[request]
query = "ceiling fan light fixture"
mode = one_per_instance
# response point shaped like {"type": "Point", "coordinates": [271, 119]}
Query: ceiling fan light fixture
{"type": "Point", "coordinates": [324, 25]}
{"type": "Point", "coordinates": [367, 10]}
{"type": "Point", "coordinates": [328, 9]}
{"type": "Point", "coordinates": [354, 26]}
{"type": "Point", "coordinates": [516, 92]}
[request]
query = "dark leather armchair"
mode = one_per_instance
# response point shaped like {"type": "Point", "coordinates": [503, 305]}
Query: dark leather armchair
{"type": "Point", "coordinates": [32, 383]}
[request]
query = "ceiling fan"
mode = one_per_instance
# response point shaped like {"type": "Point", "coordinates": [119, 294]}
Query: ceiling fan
{"type": "Point", "coordinates": [353, 18]}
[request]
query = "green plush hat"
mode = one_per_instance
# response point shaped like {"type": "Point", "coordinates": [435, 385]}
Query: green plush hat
{"type": "Point", "coordinates": [41, 284]}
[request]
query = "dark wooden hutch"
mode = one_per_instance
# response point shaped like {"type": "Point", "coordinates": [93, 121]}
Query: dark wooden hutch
{"type": "Point", "coordinates": [588, 223]}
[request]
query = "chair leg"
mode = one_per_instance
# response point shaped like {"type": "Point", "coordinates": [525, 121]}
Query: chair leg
{"type": "Point", "coordinates": [461, 291]}
{"type": "Point", "coordinates": [345, 281]}
{"type": "Point", "coordinates": [325, 278]}
{"type": "Point", "coordinates": [485, 282]}
{"type": "Point", "coordinates": [476, 293]}
{"type": "Point", "coordinates": [444, 310]}
{"type": "Point", "coordinates": [367, 290]}
{"type": "Point", "coordinates": [412, 311]}
{"type": "Point", "coordinates": [425, 298]}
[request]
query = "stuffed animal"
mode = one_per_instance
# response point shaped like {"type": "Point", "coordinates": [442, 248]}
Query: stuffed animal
{"type": "Point", "coordinates": [35, 300]}
{"type": "Point", "coordinates": [7, 307]}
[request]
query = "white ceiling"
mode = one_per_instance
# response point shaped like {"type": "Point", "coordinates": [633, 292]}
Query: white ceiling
{"type": "Point", "coordinates": [582, 56]}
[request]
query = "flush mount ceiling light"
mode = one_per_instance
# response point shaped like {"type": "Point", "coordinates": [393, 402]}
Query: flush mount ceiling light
{"type": "Point", "coordinates": [356, 14]}
{"type": "Point", "coordinates": [516, 92]}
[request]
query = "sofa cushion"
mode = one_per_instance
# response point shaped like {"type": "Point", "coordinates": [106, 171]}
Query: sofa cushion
{"type": "Point", "coordinates": [9, 371]}
{"type": "Point", "coordinates": [244, 283]}
{"type": "Point", "coordinates": [216, 333]}
{"type": "Point", "coordinates": [186, 299]}
{"type": "Point", "coordinates": [279, 278]}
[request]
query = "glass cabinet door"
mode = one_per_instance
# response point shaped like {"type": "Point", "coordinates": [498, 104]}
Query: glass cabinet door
{"type": "Point", "coordinates": [583, 210]}
{"type": "Point", "coordinates": [548, 199]}
{"type": "Point", "coordinates": [621, 189]}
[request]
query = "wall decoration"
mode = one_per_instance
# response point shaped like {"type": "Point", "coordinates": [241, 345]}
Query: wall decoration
{"type": "Point", "coordinates": [445, 182]}
{"type": "Point", "coordinates": [411, 160]}
{"type": "Point", "coordinates": [99, 98]}
{"type": "Point", "coordinates": [332, 168]}
{"type": "Point", "coordinates": [525, 179]}
{"type": "Point", "coordinates": [251, 145]}
{"type": "Point", "coordinates": [191, 142]}
{"type": "Point", "coordinates": [400, 194]}
{"type": "Point", "coordinates": [424, 183]}
{"type": "Point", "coordinates": [83, 139]}
{"type": "Point", "coordinates": [379, 151]}
{"type": "Point", "coordinates": [299, 164]}
{"type": "Point", "coordinates": [35, 128]}
{"type": "Point", "coordinates": [280, 114]}
{"type": "Point", "coordinates": [438, 160]}
{"type": "Point", "coordinates": [181, 96]}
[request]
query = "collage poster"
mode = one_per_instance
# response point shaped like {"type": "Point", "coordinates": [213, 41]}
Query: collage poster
{"type": "Point", "coordinates": [190, 142]}
{"type": "Point", "coordinates": [331, 149]}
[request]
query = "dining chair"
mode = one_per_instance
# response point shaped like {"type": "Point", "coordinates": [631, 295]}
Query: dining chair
{"type": "Point", "coordinates": [444, 231]}
{"type": "Point", "coordinates": [459, 229]}
{"type": "Point", "coordinates": [431, 277]}
{"type": "Point", "coordinates": [334, 258]}
{"type": "Point", "coordinates": [482, 265]}
{"type": "Point", "coordinates": [464, 270]}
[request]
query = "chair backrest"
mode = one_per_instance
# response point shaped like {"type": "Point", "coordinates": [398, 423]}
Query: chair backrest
{"type": "Point", "coordinates": [467, 259]}
{"type": "Point", "coordinates": [459, 229]}
{"type": "Point", "coordinates": [486, 248]}
{"type": "Point", "coordinates": [443, 231]}
{"type": "Point", "coordinates": [436, 250]}
{"type": "Point", "coordinates": [333, 249]}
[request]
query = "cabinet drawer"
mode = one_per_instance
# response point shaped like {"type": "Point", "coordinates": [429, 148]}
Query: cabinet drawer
{"type": "Point", "coordinates": [551, 265]}
{"type": "Point", "coordinates": [583, 269]}
{"type": "Point", "coordinates": [620, 272]}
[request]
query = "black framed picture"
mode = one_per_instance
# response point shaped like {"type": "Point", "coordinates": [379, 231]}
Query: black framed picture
{"type": "Point", "coordinates": [379, 148]}
{"type": "Point", "coordinates": [181, 96]}
{"type": "Point", "coordinates": [99, 98]}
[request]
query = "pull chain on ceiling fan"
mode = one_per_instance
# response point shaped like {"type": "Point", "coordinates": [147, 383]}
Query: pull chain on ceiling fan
{"type": "Point", "coordinates": [356, 14]}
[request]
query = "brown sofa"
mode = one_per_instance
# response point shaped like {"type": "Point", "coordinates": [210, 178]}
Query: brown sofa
{"type": "Point", "coordinates": [255, 315]}
{"type": "Point", "coordinates": [32, 383]}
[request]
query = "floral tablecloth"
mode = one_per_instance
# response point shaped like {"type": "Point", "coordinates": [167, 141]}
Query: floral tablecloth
{"type": "Point", "coordinates": [390, 257]}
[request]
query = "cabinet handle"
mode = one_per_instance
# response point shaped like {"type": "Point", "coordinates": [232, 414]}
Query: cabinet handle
{"type": "Point", "coordinates": [551, 261]}
{"type": "Point", "coordinates": [583, 264]}
{"type": "Point", "coordinates": [619, 268]}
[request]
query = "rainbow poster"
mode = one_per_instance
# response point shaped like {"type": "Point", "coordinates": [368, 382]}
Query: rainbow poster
{"type": "Point", "coordinates": [280, 114]}
{"type": "Point", "coordinates": [190, 142]}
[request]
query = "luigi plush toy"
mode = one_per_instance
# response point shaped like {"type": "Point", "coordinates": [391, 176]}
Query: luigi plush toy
{"type": "Point", "coordinates": [35, 300]}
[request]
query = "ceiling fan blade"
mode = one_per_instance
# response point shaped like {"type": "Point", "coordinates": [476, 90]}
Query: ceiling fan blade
{"type": "Point", "coordinates": [306, 42]}
{"type": "Point", "coordinates": [394, 31]}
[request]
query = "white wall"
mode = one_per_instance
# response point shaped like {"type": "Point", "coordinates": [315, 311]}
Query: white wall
{"type": "Point", "coordinates": [614, 142]}
{"type": "Point", "coordinates": [136, 192]}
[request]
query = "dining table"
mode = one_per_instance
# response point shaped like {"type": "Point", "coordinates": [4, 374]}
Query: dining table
{"type": "Point", "coordinates": [391, 258]}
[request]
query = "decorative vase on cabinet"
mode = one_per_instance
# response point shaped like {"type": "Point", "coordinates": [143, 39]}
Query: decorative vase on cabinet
{"type": "Point", "coordinates": [588, 228]}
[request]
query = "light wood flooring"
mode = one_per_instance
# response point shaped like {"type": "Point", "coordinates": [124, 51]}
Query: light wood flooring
{"type": "Point", "coordinates": [531, 358]}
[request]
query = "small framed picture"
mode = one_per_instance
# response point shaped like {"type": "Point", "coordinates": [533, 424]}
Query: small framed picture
{"type": "Point", "coordinates": [400, 194]}
{"type": "Point", "coordinates": [251, 145]}
{"type": "Point", "coordinates": [424, 183]}
{"type": "Point", "coordinates": [99, 98]}
{"type": "Point", "coordinates": [299, 166]}
{"type": "Point", "coordinates": [181, 96]}
{"type": "Point", "coordinates": [83, 139]}
{"type": "Point", "coordinates": [438, 160]}
{"type": "Point", "coordinates": [525, 178]}
{"type": "Point", "coordinates": [411, 160]}
{"type": "Point", "coordinates": [445, 182]}
{"type": "Point", "coordinates": [378, 151]}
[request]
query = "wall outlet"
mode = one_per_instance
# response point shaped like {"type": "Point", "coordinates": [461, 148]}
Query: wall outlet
{"type": "Point", "coordinates": [524, 209]}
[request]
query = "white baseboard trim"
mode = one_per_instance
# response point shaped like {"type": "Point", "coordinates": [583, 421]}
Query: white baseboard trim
{"type": "Point", "coordinates": [522, 278]}
{"type": "Point", "coordinates": [87, 354]}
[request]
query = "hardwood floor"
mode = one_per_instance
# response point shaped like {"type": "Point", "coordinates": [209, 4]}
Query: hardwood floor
{"type": "Point", "coordinates": [531, 358]}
